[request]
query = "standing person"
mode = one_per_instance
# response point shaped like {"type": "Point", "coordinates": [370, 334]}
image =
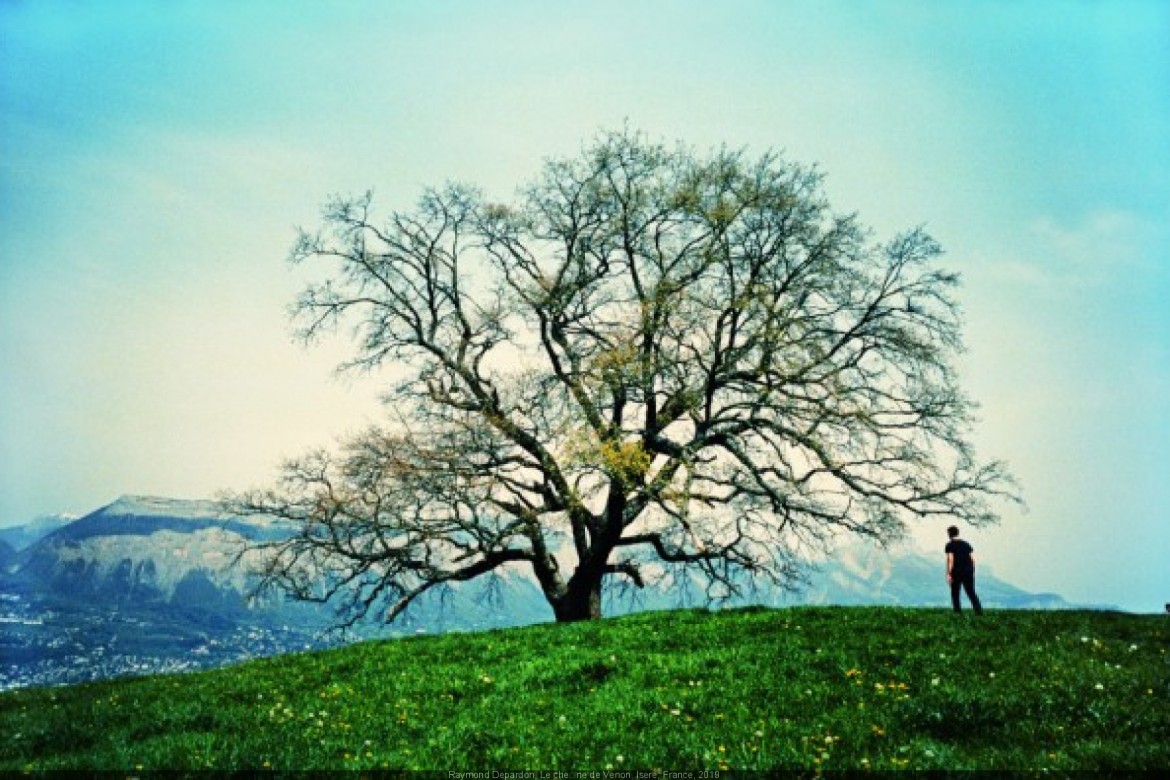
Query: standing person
{"type": "Point", "coordinates": [961, 570]}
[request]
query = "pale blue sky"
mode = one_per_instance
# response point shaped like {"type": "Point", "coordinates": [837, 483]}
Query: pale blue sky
{"type": "Point", "coordinates": [155, 158]}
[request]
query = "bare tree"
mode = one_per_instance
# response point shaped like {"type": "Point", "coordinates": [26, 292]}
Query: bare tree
{"type": "Point", "coordinates": [653, 362]}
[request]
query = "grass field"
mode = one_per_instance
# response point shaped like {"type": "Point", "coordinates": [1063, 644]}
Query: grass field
{"type": "Point", "coordinates": [814, 688]}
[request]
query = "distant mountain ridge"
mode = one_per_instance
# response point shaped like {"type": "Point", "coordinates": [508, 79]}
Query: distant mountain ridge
{"type": "Point", "coordinates": [150, 583]}
{"type": "Point", "coordinates": [140, 547]}
{"type": "Point", "coordinates": [22, 536]}
{"type": "Point", "coordinates": [170, 538]}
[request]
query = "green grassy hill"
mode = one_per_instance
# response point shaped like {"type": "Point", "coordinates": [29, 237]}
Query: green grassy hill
{"type": "Point", "coordinates": [815, 688]}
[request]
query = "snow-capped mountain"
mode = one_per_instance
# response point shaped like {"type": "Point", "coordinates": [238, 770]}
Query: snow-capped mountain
{"type": "Point", "coordinates": [860, 573]}
{"type": "Point", "coordinates": [7, 553]}
{"type": "Point", "coordinates": [22, 536]}
{"type": "Point", "coordinates": [856, 573]}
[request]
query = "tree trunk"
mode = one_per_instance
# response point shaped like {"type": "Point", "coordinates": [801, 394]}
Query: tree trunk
{"type": "Point", "coordinates": [582, 601]}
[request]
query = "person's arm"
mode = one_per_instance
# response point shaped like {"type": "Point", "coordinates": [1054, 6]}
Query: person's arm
{"type": "Point", "coordinates": [950, 565]}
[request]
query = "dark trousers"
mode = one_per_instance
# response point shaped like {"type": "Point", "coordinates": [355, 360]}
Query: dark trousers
{"type": "Point", "coordinates": [967, 583]}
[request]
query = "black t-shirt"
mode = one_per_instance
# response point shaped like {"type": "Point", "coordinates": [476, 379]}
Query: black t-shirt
{"type": "Point", "coordinates": [962, 552]}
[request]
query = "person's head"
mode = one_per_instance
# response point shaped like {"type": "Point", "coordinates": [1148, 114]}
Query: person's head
{"type": "Point", "coordinates": [953, 532]}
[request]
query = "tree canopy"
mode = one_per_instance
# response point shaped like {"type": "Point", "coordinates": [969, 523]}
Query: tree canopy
{"type": "Point", "coordinates": [652, 363]}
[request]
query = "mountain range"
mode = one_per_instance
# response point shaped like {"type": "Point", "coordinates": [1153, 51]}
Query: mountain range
{"type": "Point", "coordinates": [150, 584]}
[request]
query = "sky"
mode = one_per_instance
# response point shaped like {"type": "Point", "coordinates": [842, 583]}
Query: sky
{"type": "Point", "coordinates": [156, 159]}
